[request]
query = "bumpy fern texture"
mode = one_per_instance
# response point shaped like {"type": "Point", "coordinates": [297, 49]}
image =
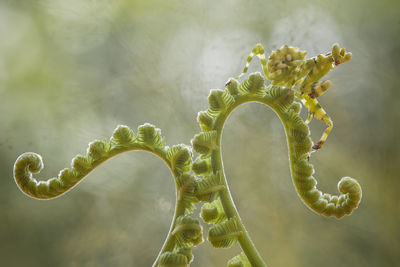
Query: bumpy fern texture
{"type": "Point", "coordinates": [294, 81]}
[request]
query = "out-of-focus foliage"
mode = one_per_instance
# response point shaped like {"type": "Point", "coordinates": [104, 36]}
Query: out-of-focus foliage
{"type": "Point", "coordinates": [70, 71]}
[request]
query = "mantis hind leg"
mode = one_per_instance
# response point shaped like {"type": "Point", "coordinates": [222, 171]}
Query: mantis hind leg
{"type": "Point", "coordinates": [327, 120]}
{"type": "Point", "coordinates": [309, 118]}
{"type": "Point", "coordinates": [258, 51]}
{"type": "Point", "coordinates": [316, 111]}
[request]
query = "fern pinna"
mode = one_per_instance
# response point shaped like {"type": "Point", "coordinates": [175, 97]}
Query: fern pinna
{"type": "Point", "coordinates": [294, 81]}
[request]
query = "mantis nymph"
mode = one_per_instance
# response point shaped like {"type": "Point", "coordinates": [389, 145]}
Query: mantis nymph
{"type": "Point", "coordinates": [287, 67]}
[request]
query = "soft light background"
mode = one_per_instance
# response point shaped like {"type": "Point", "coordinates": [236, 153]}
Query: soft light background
{"type": "Point", "coordinates": [70, 71]}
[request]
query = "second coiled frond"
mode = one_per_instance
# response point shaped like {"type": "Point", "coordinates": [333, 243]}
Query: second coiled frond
{"type": "Point", "coordinates": [185, 231]}
{"type": "Point", "coordinates": [123, 139]}
{"type": "Point", "coordinates": [227, 228]}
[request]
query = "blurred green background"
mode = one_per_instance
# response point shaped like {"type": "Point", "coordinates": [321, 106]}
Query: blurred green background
{"type": "Point", "coordinates": [70, 71]}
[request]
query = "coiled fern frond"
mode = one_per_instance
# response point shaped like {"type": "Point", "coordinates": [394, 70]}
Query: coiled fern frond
{"type": "Point", "coordinates": [178, 158]}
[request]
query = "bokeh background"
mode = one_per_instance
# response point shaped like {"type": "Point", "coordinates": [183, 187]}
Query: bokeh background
{"type": "Point", "coordinates": [70, 71]}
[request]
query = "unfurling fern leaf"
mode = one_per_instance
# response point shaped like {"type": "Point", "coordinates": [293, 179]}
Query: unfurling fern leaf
{"type": "Point", "coordinates": [149, 135]}
{"type": "Point", "coordinates": [213, 212]}
{"type": "Point", "coordinates": [205, 142]}
{"type": "Point", "coordinates": [304, 184]}
{"type": "Point", "coordinates": [205, 121]}
{"type": "Point", "coordinates": [187, 187]}
{"type": "Point", "coordinates": [239, 261]}
{"type": "Point", "coordinates": [187, 251]}
{"type": "Point", "coordinates": [123, 136]}
{"type": "Point", "coordinates": [82, 165]}
{"type": "Point", "coordinates": [225, 234]}
{"type": "Point", "coordinates": [69, 177]}
{"type": "Point", "coordinates": [232, 86]}
{"type": "Point", "coordinates": [29, 163]}
{"type": "Point", "coordinates": [172, 259]}
{"type": "Point", "coordinates": [295, 108]}
{"type": "Point", "coordinates": [25, 165]}
{"type": "Point", "coordinates": [186, 182]}
{"type": "Point", "coordinates": [99, 150]}
{"type": "Point", "coordinates": [302, 148]}
{"type": "Point", "coordinates": [219, 101]}
{"type": "Point", "coordinates": [202, 165]}
{"type": "Point", "coordinates": [326, 204]}
{"type": "Point", "coordinates": [180, 157]}
{"type": "Point", "coordinates": [253, 85]}
{"type": "Point", "coordinates": [188, 231]}
{"type": "Point", "coordinates": [279, 97]}
{"type": "Point", "coordinates": [302, 169]}
{"type": "Point", "coordinates": [208, 187]}
{"type": "Point", "coordinates": [297, 129]}
{"type": "Point", "coordinates": [293, 121]}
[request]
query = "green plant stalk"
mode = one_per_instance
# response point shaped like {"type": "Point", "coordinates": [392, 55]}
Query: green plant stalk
{"type": "Point", "coordinates": [244, 239]}
{"type": "Point", "coordinates": [169, 243]}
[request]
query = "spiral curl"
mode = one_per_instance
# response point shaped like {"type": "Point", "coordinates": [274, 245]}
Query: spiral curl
{"type": "Point", "coordinates": [122, 140]}
{"type": "Point", "coordinates": [281, 100]}
{"type": "Point", "coordinates": [185, 231]}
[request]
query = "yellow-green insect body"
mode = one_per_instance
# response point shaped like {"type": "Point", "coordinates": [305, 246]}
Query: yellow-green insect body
{"type": "Point", "coordinates": [288, 67]}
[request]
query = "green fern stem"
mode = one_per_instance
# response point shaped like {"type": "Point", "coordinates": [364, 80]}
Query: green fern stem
{"type": "Point", "coordinates": [228, 204]}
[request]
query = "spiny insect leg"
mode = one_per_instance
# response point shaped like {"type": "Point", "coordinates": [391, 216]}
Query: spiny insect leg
{"type": "Point", "coordinates": [329, 123]}
{"type": "Point", "coordinates": [315, 110]}
{"type": "Point", "coordinates": [309, 118]}
{"type": "Point", "coordinates": [258, 50]}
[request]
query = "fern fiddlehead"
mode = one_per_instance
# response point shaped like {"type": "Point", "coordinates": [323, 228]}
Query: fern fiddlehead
{"type": "Point", "coordinates": [178, 158]}
{"type": "Point", "coordinates": [281, 101]}
{"type": "Point", "coordinates": [203, 180]}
